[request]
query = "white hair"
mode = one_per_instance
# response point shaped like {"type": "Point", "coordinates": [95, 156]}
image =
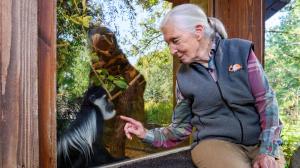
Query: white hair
{"type": "Point", "coordinates": [188, 16]}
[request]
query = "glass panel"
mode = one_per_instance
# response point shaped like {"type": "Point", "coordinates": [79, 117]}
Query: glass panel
{"type": "Point", "coordinates": [116, 45]}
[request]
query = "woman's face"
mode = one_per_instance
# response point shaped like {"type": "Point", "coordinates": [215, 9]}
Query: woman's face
{"type": "Point", "coordinates": [182, 44]}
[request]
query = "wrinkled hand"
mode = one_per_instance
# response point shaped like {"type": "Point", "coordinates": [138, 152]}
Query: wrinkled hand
{"type": "Point", "coordinates": [264, 161]}
{"type": "Point", "coordinates": [133, 127]}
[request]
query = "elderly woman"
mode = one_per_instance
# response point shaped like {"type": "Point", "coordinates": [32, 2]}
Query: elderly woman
{"type": "Point", "coordinates": [222, 92]}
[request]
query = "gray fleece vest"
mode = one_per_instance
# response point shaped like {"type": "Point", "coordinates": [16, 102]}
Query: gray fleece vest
{"type": "Point", "coordinates": [224, 109]}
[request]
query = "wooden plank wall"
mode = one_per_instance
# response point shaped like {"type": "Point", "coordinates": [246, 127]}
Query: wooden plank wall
{"type": "Point", "coordinates": [47, 82]}
{"type": "Point", "coordinates": [243, 19]}
{"type": "Point", "coordinates": [27, 83]}
{"type": "Point", "coordinates": [19, 144]}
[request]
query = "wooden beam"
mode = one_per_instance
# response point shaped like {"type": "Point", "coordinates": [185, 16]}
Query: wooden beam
{"type": "Point", "coordinates": [206, 5]}
{"type": "Point", "coordinates": [273, 6]}
{"type": "Point", "coordinates": [243, 19]}
{"type": "Point", "coordinates": [47, 82]}
{"type": "Point", "coordinates": [18, 85]}
{"type": "Point", "coordinates": [178, 2]}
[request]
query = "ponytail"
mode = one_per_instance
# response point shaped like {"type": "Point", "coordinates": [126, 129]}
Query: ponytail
{"type": "Point", "coordinates": [217, 26]}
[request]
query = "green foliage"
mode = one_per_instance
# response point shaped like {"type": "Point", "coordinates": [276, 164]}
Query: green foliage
{"type": "Point", "coordinates": [73, 56]}
{"type": "Point", "coordinates": [159, 112]}
{"type": "Point", "coordinates": [152, 39]}
{"type": "Point", "coordinates": [291, 138]}
{"type": "Point", "coordinates": [108, 81]}
{"type": "Point", "coordinates": [120, 82]}
{"type": "Point", "coordinates": [147, 4]}
{"type": "Point", "coordinates": [282, 66]}
{"type": "Point", "coordinates": [72, 79]}
{"type": "Point", "coordinates": [157, 69]}
{"type": "Point", "coordinates": [73, 62]}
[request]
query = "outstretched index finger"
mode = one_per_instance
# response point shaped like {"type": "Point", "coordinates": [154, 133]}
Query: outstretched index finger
{"type": "Point", "coordinates": [131, 120]}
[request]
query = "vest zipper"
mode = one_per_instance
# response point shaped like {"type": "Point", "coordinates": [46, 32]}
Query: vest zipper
{"type": "Point", "coordinates": [224, 101]}
{"type": "Point", "coordinates": [227, 105]}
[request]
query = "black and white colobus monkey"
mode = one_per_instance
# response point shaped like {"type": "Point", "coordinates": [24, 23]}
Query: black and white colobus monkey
{"type": "Point", "coordinates": [81, 144]}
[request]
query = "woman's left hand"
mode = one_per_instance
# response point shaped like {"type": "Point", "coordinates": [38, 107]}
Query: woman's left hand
{"type": "Point", "coordinates": [264, 161]}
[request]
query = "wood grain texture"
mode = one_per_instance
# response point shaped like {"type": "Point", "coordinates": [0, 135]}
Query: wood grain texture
{"type": "Point", "coordinates": [202, 3]}
{"type": "Point", "coordinates": [19, 103]}
{"type": "Point", "coordinates": [243, 19]}
{"type": "Point", "coordinates": [47, 82]}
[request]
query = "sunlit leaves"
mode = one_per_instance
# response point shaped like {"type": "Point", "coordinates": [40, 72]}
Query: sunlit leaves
{"type": "Point", "coordinates": [110, 82]}
{"type": "Point", "coordinates": [282, 60]}
{"type": "Point", "coordinates": [157, 68]}
{"type": "Point", "coordinates": [72, 54]}
{"type": "Point", "coordinates": [121, 83]}
{"type": "Point", "coordinates": [80, 20]}
{"type": "Point", "coordinates": [147, 3]}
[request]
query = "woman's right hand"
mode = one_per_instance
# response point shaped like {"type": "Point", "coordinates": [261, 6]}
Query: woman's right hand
{"type": "Point", "coordinates": [133, 127]}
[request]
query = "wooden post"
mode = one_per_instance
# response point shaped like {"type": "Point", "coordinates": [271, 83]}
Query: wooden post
{"type": "Point", "coordinates": [19, 145]}
{"type": "Point", "coordinates": [243, 19]}
{"type": "Point", "coordinates": [47, 82]}
{"type": "Point", "coordinates": [178, 2]}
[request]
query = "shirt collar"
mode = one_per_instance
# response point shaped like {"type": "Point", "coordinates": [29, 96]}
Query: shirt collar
{"type": "Point", "coordinates": [211, 62]}
{"type": "Point", "coordinates": [212, 53]}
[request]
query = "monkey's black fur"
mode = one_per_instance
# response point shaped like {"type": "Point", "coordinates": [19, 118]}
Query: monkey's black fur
{"type": "Point", "coordinates": [81, 144]}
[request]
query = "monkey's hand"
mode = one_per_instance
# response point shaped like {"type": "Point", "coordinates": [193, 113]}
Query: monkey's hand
{"type": "Point", "coordinates": [133, 127]}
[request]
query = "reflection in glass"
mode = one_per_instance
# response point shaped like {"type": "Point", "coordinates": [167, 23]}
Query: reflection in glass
{"type": "Point", "coordinates": [116, 46]}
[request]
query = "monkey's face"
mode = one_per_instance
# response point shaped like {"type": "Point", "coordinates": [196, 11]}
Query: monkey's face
{"type": "Point", "coordinates": [103, 41]}
{"type": "Point", "coordinates": [97, 96]}
{"type": "Point", "coordinates": [106, 107]}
